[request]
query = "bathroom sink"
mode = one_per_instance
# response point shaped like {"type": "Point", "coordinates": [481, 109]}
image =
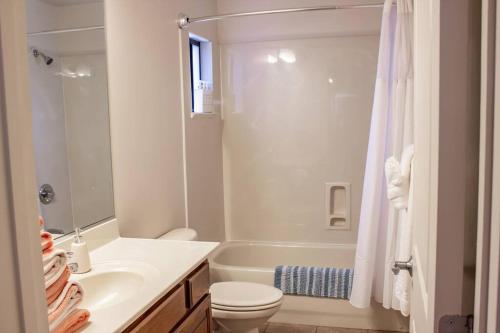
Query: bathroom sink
{"type": "Point", "coordinates": [110, 284]}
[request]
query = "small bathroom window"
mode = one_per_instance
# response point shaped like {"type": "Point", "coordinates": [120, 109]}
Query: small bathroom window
{"type": "Point", "coordinates": [200, 55]}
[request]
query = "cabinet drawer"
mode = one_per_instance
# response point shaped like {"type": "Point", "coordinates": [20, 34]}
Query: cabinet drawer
{"type": "Point", "coordinates": [197, 285]}
{"type": "Point", "coordinates": [162, 316]}
{"type": "Point", "coordinates": [200, 319]}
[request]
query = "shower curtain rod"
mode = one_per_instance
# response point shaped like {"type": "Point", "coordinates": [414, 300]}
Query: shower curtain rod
{"type": "Point", "coordinates": [184, 20]}
{"type": "Point", "coordinates": [53, 32]}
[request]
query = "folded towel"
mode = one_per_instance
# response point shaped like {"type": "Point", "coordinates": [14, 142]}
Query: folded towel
{"type": "Point", "coordinates": [398, 178]}
{"type": "Point", "coordinates": [54, 264]}
{"type": "Point", "coordinates": [403, 279]}
{"type": "Point", "coordinates": [46, 241]}
{"type": "Point", "coordinates": [65, 303]}
{"type": "Point", "coordinates": [73, 322]}
{"type": "Point", "coordinates": [57, 287]}
{"type": "Point", "coordinates": [49, 255]}
{"type": "Point", "coordinates": [396, 184]}
{"type": "Point", "coordinates": [314, 281]}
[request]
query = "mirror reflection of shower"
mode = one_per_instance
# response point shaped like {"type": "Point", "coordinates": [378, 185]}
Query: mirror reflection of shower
{"type": "Point", "coordinates": [39, 54]}
{"type": "Point", "coordinates": [75, 71]}
{"type": "Point", "coordinates": [68, 85]}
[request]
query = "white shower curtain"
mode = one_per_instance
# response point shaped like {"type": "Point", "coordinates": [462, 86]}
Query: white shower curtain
{"type": "Point", "coordinates": [391, 131]}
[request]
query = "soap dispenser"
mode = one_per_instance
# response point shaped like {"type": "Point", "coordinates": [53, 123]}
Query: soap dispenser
{"type": "Point", "coordinates": [78, 257]}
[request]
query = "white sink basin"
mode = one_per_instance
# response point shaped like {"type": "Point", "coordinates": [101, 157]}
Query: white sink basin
{"type": "Point", "coordinates": [113, 283]}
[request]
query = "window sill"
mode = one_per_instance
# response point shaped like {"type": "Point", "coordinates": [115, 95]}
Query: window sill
{"type": "Point", "coordinates": [203, 115]}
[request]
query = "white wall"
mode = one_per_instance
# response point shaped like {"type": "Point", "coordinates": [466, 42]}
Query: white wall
{"type": "Point", "coordinates": [296, 25]}
{"type": "Point", "coordinates": [42, 16]}
{"type": "Point", "coordinates": [288, 128]}
{"type": "Point", "coordinates": [203, 149]}
{"type": "Point", "coordinates": [146, 121]}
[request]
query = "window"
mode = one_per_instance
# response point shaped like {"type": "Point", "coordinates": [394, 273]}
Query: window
{"type": "Point", "coordinates": [200, 55]}
{"type": "Point", "coordinates": [195, 58]}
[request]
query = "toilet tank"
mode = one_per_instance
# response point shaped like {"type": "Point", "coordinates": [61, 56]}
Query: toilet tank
{"type": "Point", "coordinates": [185, 234]}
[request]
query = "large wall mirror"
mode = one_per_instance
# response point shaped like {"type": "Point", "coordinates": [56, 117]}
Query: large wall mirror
{"type": "Point", "coordinates": [68, 81]}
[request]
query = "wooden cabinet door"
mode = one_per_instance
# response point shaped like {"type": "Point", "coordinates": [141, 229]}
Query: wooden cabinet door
{"type": "Point", "coordinates": [197, 285]}
{"type": "Point", "coordinates": [200, 319]}
{"type": "Point", "coordinates": [164, 315]}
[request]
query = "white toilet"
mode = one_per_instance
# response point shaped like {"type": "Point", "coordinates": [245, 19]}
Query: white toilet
{"type": "Point", "coordinates": [243, 307]}
{"type": "Point", "coordinates": [239, 307]}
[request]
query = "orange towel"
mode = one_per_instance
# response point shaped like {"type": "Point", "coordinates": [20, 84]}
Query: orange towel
{"type": "Point", "coordinates": [46, 240]}
{"type": "Point", "coordinates": [55, 289]}
{"type": "Point", "coordinates": [73, 322]}
{"type": "Point", "coordinates": [47, 246]}
{"type": "Point", "coordinates": [67, 301]}
{"type": "Point", "coordinates": [70, 298]}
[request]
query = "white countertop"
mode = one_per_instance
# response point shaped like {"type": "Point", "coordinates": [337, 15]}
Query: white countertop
{"type": "Point", "coordinates": [167, 263]}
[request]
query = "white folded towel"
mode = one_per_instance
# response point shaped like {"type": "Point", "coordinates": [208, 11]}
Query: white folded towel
{"type": "Point", "coordinates": [403, 279]}
{"type": "Point", "coordinates": [400, 193]}
{"type": "Point", "coordinates": [398, 178]}
{"type": "Point", "coordinates": [54, 263]}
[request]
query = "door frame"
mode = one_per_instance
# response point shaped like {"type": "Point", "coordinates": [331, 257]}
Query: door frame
{"type": "Point", "coordinates": [484, 226]}
{"type": "Point", "coordinates": [487, 302]}
{"type": "Point", "coordinates": [22, 279]}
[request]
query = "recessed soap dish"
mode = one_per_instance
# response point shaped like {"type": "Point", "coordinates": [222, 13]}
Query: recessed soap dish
{"type": "Point", "coordinates": [338, 222]}
{"type": "Point", "coordinates": [338, 206]}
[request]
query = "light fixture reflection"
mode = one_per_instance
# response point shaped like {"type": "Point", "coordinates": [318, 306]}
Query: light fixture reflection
{"type": "Point", "coordinates": [271, 59]}
{"type": "Point", "coordinates": [80, 72]}
{"type": "Point", "coordinates": [287, 56]}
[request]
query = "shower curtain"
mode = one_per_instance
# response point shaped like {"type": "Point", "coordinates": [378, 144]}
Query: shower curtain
{"type": "Point", "coordinates": [390, 132]}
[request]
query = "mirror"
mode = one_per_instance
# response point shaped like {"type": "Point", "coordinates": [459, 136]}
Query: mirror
{"type": "Point", "coordinates": [68, 82]}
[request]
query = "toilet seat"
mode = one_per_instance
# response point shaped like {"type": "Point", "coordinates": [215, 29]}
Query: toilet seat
{"type": "Point", "coordinates": [245, 308]}
{"type": "Point", "coordinates": [244, 296]}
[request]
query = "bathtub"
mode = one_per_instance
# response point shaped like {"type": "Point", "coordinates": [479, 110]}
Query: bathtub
{"type": "Point", "coordinates": [255, 262]}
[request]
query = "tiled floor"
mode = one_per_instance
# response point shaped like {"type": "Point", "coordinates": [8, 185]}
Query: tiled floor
{"type": "Point", "coordinates": [287, 328]}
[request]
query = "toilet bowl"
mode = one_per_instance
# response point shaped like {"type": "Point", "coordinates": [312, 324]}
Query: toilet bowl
{"type": "Point", "coordinates": [238, 307]}
{"type": "Point", "coordinates": [185, 234]}
{"type": "Point", "coordinates": [243, 307]}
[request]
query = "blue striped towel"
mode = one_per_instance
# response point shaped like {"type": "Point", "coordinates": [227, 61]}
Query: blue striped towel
{"type": "Point", "coordinates": [314, 281]}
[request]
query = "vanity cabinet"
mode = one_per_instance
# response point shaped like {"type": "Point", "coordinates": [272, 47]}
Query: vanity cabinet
{"type": "Point", "coordinates": [185, 309]}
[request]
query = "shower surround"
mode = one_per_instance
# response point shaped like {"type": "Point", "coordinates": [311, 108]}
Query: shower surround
{"type": "Point", "coordinates": [296, 116]}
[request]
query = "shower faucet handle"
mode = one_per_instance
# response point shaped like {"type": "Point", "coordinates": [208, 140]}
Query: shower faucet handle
{"type": "Point", "coordinates": [403, 265]}
{"type": "Point", "coordinates": [46, 194]}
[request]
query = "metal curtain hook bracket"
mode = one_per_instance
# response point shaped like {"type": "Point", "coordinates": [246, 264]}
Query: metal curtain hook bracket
{"type": "Point", "coordinates": [403, 265]}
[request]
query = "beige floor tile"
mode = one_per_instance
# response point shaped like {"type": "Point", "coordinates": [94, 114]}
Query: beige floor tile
{"type": "Point", "coordinates": [286, 328]}
{"type": "Point", "coordinates": [339, 330]}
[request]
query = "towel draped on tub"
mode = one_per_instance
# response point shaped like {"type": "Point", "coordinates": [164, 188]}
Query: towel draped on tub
{"type": "Point", "coordinates": [314, 281]}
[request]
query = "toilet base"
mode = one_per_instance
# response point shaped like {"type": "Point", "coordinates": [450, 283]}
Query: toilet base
{"type": "Point", "coordinates": [238, 326]}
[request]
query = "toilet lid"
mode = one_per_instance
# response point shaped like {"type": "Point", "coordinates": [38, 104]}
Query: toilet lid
{"type": "Point", "coordinates": [244, 294]}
